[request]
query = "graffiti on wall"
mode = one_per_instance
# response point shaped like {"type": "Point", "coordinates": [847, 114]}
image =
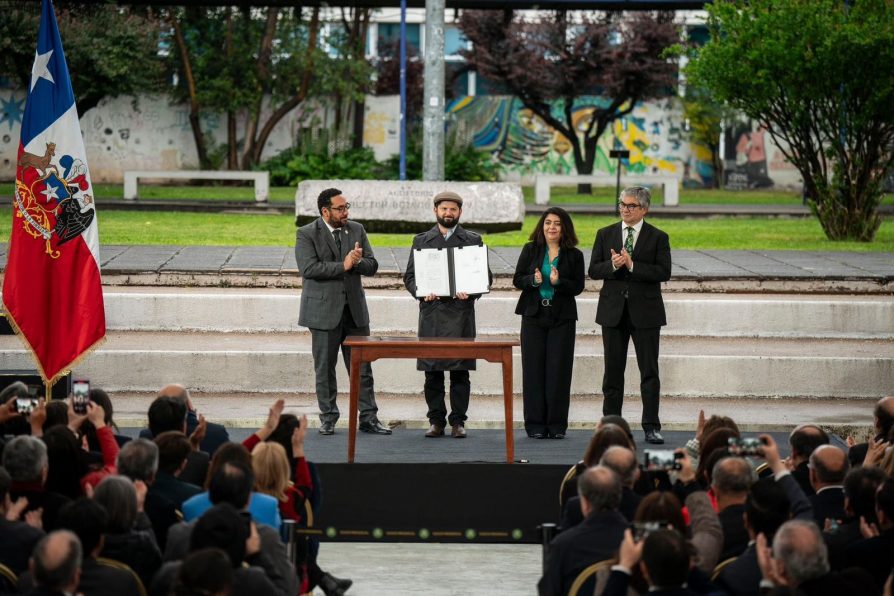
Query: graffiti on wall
{"type": "Point", "coordinates": [525, 144]}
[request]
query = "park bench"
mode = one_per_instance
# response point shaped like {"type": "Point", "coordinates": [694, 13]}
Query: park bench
{"type": "Point", "coordinates": [260, 179]}
{"type": "Point", "coordinates": [543, 182]}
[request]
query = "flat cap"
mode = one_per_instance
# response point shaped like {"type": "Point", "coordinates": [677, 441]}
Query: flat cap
{"type": "Point", "coordinates": [448, 196]}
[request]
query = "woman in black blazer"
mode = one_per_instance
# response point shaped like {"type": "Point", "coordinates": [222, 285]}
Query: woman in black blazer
{"type": "Point", "coordinates": [550, 273]}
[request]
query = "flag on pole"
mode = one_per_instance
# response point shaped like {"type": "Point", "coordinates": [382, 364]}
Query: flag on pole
{"type": "Point", "coordinates": [52, 291]}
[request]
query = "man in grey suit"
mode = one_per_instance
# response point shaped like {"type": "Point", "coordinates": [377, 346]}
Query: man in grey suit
{"type": "Point", "coordinates": [332, 254]}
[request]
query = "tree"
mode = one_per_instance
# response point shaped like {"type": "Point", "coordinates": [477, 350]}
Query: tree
{"type": "Point", "coordinates": [617, 57]}
{"type": "Point", "coordinates": [110, 50]}
{"type": "Point", "coordinates": [706, 117]}
{"type": "Point", "coordinates": [819, 76]}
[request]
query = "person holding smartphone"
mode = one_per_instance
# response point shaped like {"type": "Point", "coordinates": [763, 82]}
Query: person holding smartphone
{"type": "Point", "coordinates": [550, 273]}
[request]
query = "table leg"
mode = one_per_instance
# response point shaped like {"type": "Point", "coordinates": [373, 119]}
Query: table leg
{"type": "Point", "coordinates": [356, 356]}
{"type": "Point", "coordinates": [507, 404]}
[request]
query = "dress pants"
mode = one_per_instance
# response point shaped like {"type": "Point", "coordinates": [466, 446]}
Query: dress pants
{"type": "Point", "coordinates": [615, 341]}
{"type": "Point", "coordinates": [460, 388]}
{"type": "Point", "coordinates": [324, 345]}
{"type": "Point", "coordinates": [547, 355]}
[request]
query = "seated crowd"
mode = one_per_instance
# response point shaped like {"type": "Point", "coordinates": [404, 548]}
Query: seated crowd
{"type": "Point", "coordinates": [181, 510]}
{"type": "Point", "coordinates": [728, 516]}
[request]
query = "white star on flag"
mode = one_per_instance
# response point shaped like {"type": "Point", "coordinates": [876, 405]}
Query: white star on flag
{"type": "Point", "coordinates": [50, 192]}
{"type": "Point", "coordinates": [40, 70]}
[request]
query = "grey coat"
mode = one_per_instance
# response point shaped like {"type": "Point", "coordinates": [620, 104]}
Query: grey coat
{"type": "Point", "coordinates": [444, 317]}
{"type": "Point", "coordinates": [326, 286]}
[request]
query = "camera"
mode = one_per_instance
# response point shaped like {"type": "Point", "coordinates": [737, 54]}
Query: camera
{"type": "Point", "coordinates": [662, 459]}
{"type": "Point", "coordinates": [25, 405]}
{"type": "Point", "coordinates": [80, 395]}
{"type": "Point", "coordinates": [641, 530]}
{"type": "Point", "coordinates": [745, 446]}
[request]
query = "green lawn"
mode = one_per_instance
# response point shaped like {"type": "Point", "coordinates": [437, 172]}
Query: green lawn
{"type": "Point", "coordinates": [140, 227]}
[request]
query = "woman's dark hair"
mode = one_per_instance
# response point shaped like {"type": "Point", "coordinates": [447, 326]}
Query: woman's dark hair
{"type": "Point", "coordinates": [282, 434]}
{"type": "Point", "coordinates": [605, 437]}
{"type": "Point", "coordinates": [228, 452]}
{"type": "Point", "coordinates": [204, 572]}
{"type": "Point", "coordinates": [661, 506]}
{"type": "Point", "coordinates": [57, 414]}
{"type": "Point", "coordinates": [569, 238]}
{"type": "Point", "coordinates": [67, 462]}
{"type": "Point", "coordinates": [719, 439]}
{"type": "Point", "coordinates": [100, 398]}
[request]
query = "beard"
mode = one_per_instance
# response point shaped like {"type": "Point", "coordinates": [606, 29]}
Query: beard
{"type": "Point", "coordinates": [447, 222]}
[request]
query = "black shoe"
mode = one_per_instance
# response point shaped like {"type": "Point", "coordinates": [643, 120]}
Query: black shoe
{"type": "Point", "coordinates": [537, 435]}
{"type": "Point", "coordinates": [557, 436]}
{"type": "Point", "coordinates": [654, 437]}
{"type": "Point", "coordinates": [374, 427]}
{"type": "Point", "coordinates": [332, 586]}
{"type": "Point", "coordinates": [327, 428]}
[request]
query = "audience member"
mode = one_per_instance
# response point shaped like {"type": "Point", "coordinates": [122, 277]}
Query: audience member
{"type": "Point", "coordinates": [270, 465]}
{"type": "Point", "coordinates": [18, 537]}
{"type": "Point", "coordinates": [173, 452]}
{"type": "Point", "coordinates": [703, 429]}
{"type": "Point", "coordinates": [876, 552]}
{"type": "Point", "coordinates": [663, 558]}
{"type": "Point", "coordinates": [605, 436]}
{"type": "Point", "coordinates": [264, 509]}
{"type": "Point", "coordinates": [138, 460]}
{"type": "Point", "coordinates": [168, 414]}
{"type": "Point", "coordinates": [883, 422]}
{"type": "Point", "coordinates": [11, 421]}
{"type": "Point", "coordinates": [828, 466]}
{"type": "Point", "coordinates": [204, 572]}
{"type": "Point", "coordinates": [731, 479]}
{"type": "Point", "coordinates": [766, 509]}
{"type": "Point", "coordinates": [56, 564]}
{"type": "Point", "coordinates": [25, 458]}
{"type": "Point", "coordinates": [69, 463]}
{"type": "Point", "coordinates": [225, 528]}
{"type": "Point", "coordinates": [716, 441]}
{"type": "Point", "coordinates": [57, 414]}
{"type": "Point", "coordinates": [623, 461]}
{"type": "Point", "coordinates": [233, 484]}
{"type": "Point", "coordinates": [129, 538]}
{"type": "Point", "coordinates": [101, 398]}
{"type": "Point", "coordinates": [799, 565]}
{"type": "Point", "coordinates": [215, 434]}
{"type": "Point", "coordinates": [860, 486]}
{"type": "Point", "coordinates": [803, 441]}
{"type": "Point", "coordinates": [88, 520]}
{"type": "Point", "coordinates": [595, 539]}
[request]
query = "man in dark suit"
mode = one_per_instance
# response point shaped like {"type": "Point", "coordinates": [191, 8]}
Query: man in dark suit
{"type": "Point", "coordinates": [445, 316]}
{"type": "Point", "coordinates": [803, 441]}
{"type": "Point", "coordinates": [860, 486]}
{"type": "Point", "coordinates": [883, 423]}
{"type": "Point", "coordinates": [632, 258]}
{"type": "Point", "coordinates": [25, 458]}
{"type": "Point", "coordinates": [731, 480]}
{"type": "Point", "coordinates": [19, 537]}
{"type": "Point", "coordinates": [595, 539]}
{"type": "Point", "coordinates": [664, 559]}
{"type": "Point", "coordinates": [56, 564]}
{"type": "Point", "coordinates": [623, 462]}
{"type": "Point", "coordinates": [173, 449]}
{"type": "Point", "coordinates": [876, 554]}
{"type": "Point", "coordinates": [138, 460]}
{"type": "Point", "coordinates": [332, 254]}
{"type": "Point", "coordinates": [215, 434]}
{"type": "Point", "coordinates": [828, 467]}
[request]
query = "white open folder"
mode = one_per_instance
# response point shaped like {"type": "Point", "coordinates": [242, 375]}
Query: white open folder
{"type": "Point", "coordinates": [449, 271]}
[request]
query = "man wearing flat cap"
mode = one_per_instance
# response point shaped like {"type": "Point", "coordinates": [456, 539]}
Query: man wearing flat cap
{"type": "Point", "coordinates": [445, 316]}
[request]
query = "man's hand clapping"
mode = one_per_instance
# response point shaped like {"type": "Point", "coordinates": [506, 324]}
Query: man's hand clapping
{"type": "Point", "coordinates": [353, 257]}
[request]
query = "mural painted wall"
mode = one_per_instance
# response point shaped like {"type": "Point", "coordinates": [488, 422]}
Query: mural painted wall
{"type": "Point", "coordinates": [157, 135]}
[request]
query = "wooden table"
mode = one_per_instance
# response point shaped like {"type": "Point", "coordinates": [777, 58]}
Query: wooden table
{"type": "Point", "coordinates": [370, 349]}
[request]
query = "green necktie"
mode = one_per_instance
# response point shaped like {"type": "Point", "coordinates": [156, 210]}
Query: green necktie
{"type": "Point", "coordinates": [628, 244]}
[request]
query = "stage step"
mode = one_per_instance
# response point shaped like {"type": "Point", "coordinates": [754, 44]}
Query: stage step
{"type": "Point", "coordinates": [395, 312]}
{"type": "Point", "coordinates": [690, 366]}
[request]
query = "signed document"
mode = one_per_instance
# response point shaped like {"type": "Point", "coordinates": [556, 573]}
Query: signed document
{"type": "Point", "coordinates": [449, 271]}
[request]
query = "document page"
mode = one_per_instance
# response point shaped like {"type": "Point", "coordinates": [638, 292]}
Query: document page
{"type": "Point", "coordinates": [432, 272]}
{"type": "Point", "coordinates": [470, 269]}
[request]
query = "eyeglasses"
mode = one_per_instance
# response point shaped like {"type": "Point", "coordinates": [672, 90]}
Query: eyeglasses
{"type": "Point", "coordinates": [628, 206]}
{"type": "Point", "coordinates": [341, 209]}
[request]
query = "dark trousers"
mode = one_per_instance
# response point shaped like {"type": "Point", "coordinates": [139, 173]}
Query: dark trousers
{"type": "Point", "coordinates": [645, 341]}
{"type": "Point", "coordinates": [460, 388]}
{"type": "Point", "coordinates": [325, 344]}
{"type": "Point", "coordinates": [547, 355]}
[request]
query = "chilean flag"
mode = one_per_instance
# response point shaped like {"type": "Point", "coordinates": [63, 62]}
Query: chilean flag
{"type": "Point", "coordinates": [52, 291]}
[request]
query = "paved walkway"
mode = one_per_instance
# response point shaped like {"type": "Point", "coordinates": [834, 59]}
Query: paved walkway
{"type": "Point", "coordinates": [759, 265]}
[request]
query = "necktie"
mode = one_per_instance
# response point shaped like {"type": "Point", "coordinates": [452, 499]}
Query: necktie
{"type": "Point", "coordinates": [628, 243]}
{"type": "Point", "coordinates": [337, 237]}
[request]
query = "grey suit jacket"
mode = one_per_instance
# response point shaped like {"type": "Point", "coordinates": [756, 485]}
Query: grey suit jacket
{"type": "Point", "coordinates": [326, 286]}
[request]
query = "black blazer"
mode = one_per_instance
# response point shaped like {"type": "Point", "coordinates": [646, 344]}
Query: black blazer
{"type": "Point", "coordinates": [641, 289]}
{"type": "Point", "coordinates": [571, 281]}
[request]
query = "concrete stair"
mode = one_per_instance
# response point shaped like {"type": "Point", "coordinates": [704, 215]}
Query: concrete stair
{"type": "Point", "coordinates": [721, 345]}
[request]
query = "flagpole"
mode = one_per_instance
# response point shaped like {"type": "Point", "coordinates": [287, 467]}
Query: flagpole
{"type": "Point", "coordinates": [49, 391]}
